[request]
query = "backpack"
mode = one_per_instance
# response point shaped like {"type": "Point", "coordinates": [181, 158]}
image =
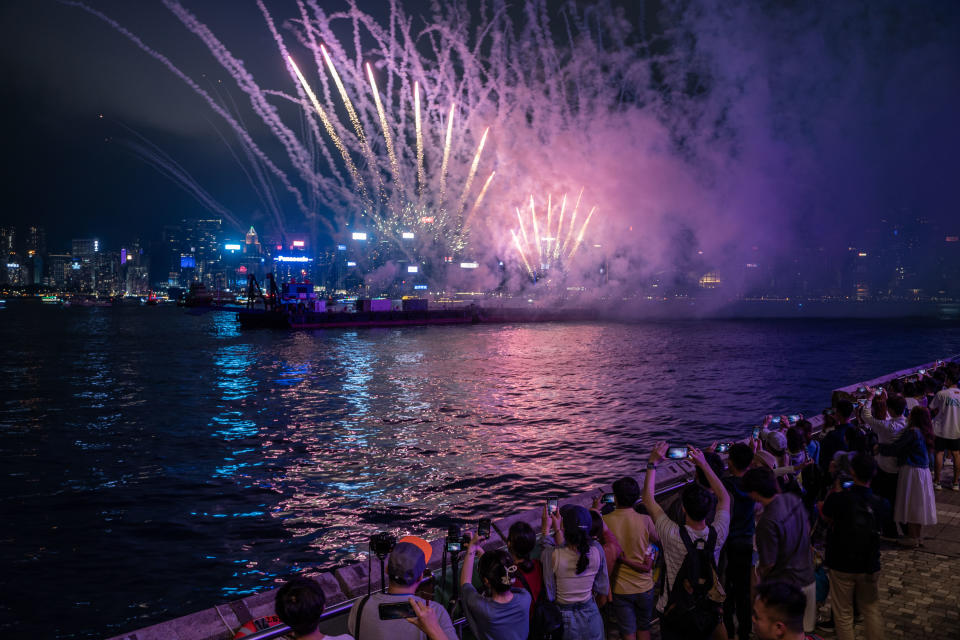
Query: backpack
{"type": "Point", "coordinates": [695, 603]}
{"type": "Point", "coordinates": [863, 526]}
{"type": "Point", "coordinates": [546, 621]}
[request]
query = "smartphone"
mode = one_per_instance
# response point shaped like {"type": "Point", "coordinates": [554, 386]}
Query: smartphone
{"type": "Point", "coordinates": [794, 417]}
{"type": "Point", "coordinates": [861, 389]}
{"type": "Point", "coordinates": [922, 372]}
{"type": "Point", "coordinates": [847, 484]}
{"type": "Point", "coordinates": [396, 610]}
{"type": "Point", "coordinates": [775, 420]}
{"type": "Point", "coordinates": [607, 498]}
{"type": "Point", "coordinates": [454, 546]}
{"type": "Point", "coordinates": [723, 447]}
{"type": "Point", "coordinates": [756, 432]}
{"type": "Point", "coordinates": [829, 411]}
{"type": "Point", "coordinates": [878, 392]}
{"type": "Point", "coordinates": [552, 504]}
{"type": "Point", "coordinates": [483, 529]}
{"type": "Point", "coordinates": [677, 453]}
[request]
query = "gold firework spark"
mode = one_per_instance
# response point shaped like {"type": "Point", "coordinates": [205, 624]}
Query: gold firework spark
{"type": "Point", "coordinates": [476, 203]}
{"type": "Point", "coordinates": [580, 235]}
{"type": "Point", "coordinates": [328, 126]}
{"type": "Point", "coordinates": [446, 156]}
{"type": "Point", "coordinates": [573, 219]}
{"type": "Point", "coordinates": [556, 244]}
{"type": "Point", "coordinates": [473, 171]}
{"type": "Point", "coordinates": [416, 118]}
{"type": "Point", "coordinates": [387, 137]}
{"type": "Point", "coordinates": [523, 255]}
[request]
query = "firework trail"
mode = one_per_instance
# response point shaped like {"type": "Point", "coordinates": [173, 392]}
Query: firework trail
{"type": "Point", "coordinates": [419, 126]}
{"type": "Point", "coordinates": [523, 255]}
{"type": "Point", "coordinates": [573, 220]}
{"type": "Point", "coordinates": [476, 204]}
{"type": "Point", "coordinates": [446, 156]}
{"type": "Point", "coordinates": [580, 235]}
{"type": "Point", "coordinates": [473, 171]}
{"type": "Point", "coordinates": [536, 231]}
{"type": "Point", "coordinates": [394, 165]}
{"type": "Point", "coordinates": [556, 244]}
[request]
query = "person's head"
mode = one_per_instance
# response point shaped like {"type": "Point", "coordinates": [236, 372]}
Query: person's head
{"type": "Point", "coordinates": [697, 502]}
{"type": "Point", "coordinates": [775, 442]}
{"type": "Point", "coordinates": [521, 539]}
{"type": "Point", "coordinates": [930, 386]}
{"type": "Point", "coordinates": [896, 405]}
{"type": "Point", "coordinates": [778, 611]}
{"type": "Point", "coordinates": [910, 390]}
{"type": "Point", "coordinates": [739, 457]}
{"type": "Point", "coordinates": [716, 463]}
{"type": "Point", "coordinates": [626, 492]}
{"type": "Point", "coordinates": [760, 483]}
{"type": "Point", "coordinates": [795, 440]}
{"type": "Point", "coordinates": [408, 561]}
{"type": "Point", "coordinates": [497, 569]}
{"type": "Point", "coordinates": [895, 387]}
{"type": "Point", "coordinates": [950, 378]}
{"type": "Point", "coordinates": [806, 428]}
{"type": "Point", "coordinates": [596, 527]}
{"type": "Point", "coordinates": [576, 532]}
{"type": "Point", "coordinates": [299, 605]}
{"type": "Point", "coordinates": [844, 410]}
{"type": "Point", "coordinates": [863, 467]}
{"type": "Point", "coordinates": [919, 418]}
{"type": "Point", "coordinates": [878, 407]}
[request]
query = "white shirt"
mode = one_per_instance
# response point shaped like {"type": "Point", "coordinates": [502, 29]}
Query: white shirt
{"type": "Point", "coordinates": [674, 552]}
{"type": "Point", "coordinates": [947, 422]}
{"type": "Point", "coordinates": [887, 431]}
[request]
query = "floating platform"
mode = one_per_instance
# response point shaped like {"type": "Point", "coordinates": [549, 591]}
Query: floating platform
{"type": "Point", "coordinates": [292, 319]}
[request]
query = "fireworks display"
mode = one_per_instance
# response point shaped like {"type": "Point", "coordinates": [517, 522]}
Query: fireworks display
{"type": "Point", "coordinates": [396, 123]}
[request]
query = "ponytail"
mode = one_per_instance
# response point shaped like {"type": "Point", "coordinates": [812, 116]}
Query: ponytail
{"type": "Point", "coordinates": [579, 539]}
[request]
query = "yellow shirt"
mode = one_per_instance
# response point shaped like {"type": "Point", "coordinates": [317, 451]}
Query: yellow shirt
{"type": "Point", "coordinates": [632, 532]}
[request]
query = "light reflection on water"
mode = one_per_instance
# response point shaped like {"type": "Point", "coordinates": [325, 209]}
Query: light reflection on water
{"type": "Point", "coordinates": [185, 462]}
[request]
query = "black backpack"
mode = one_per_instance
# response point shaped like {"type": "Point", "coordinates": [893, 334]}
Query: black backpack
{"type": "Point", "coordinates": [546, 621]}
{"type": "Point", "coordinates": [861, 523]}
{"type": "Point", "coordinates": [695, 604]}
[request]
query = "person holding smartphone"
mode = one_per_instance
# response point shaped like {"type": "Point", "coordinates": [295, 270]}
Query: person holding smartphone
{"type": "Point", "coordinates": [406, 569]}
{"type": "Point", "coordinates": [502, 612]}
{"type": "Point", "coordinates": [574, 570]}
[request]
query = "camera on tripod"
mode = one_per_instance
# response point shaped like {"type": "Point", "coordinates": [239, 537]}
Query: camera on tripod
{"type": "Point", "coordinates": [455, 541]}
{"type": "Point", "coordinates": [382, 543]}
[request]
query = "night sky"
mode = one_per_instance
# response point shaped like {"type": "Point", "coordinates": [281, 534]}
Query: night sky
{"type": "Point", "coordinates": [865, 122]}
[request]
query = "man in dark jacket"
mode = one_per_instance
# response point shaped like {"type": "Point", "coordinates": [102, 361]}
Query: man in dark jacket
{"type": "Point", "coordinates": [855, 516]}
{"type": "Point", "coordinates": [739, 547]}
{"type": "Point", "coordinates": [838, 438]}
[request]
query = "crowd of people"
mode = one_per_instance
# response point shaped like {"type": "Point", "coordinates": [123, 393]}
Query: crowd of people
{"type": "Point", "coordinates": [780, 535]}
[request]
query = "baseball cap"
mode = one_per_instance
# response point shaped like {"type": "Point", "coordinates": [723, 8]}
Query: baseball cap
{"type": "Point", "coordinates": [408, 560]}
{"type": "Point", "coordinates": [575, 517]}
{"type": "Point", "coordinates": [765, 458]}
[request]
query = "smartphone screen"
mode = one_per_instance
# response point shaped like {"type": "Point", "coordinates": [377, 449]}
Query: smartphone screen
{"type": "Point", "coordinates": [552, 503]}
{"type": "Point", "coordinates": [794, 417]}
{"type": "Point", "coordinates": [483, 529]}
{"type": "Point", "coordinates": [775, 420]}
{"type": "Point", "coordinates": [396, 610]}
{"type": "Point", "coordinates": [607, 498]}
{"type": "Point", "coordinates": [454, 547]}
{"type": "Point", "coordinates": [722, 447]}
{"type": "Point", "coordinates": [677, 453]}
{"type": "Point", "coordinates": [756, 432]}
{"type": "Point", "coordinates": [847, 484]}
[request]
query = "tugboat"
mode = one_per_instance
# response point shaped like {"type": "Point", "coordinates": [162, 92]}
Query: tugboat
{"type": "Point", "coordinates": [197, 296]}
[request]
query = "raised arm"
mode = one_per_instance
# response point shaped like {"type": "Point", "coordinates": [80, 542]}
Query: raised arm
{"type": "Point", "coordinates": [650, 481]}
{"type": "Point", "coordinates": [723, 498]}
{"type": "Point", "coordinates": [466, 571]}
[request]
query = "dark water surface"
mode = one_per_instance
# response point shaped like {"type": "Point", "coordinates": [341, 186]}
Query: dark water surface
{"type": "Point", "coordinates": [156, 463]}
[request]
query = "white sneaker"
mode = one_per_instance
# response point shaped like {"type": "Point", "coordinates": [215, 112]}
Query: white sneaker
{"type": "Point", "coordinates": [937, 486]}
{"type": "Point", "coordinates": [955, 487]}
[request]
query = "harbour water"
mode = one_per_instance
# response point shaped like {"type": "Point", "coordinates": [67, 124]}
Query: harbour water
{"type": "Point", "coordinates": [158, 462]}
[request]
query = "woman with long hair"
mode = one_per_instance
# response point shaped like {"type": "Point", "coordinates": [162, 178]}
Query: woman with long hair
{"type": "Point", "coordinates": [574, 570]}
{"type": "Point", "coordinates": [521, 541]}
{"type": "Point", "coordinates": [915, 504]}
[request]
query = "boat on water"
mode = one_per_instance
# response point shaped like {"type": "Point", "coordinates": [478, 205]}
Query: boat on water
{"type": "Point", "coordinates": [50, 299]}
{"type": "Point", "coordinates": [197, 296]}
